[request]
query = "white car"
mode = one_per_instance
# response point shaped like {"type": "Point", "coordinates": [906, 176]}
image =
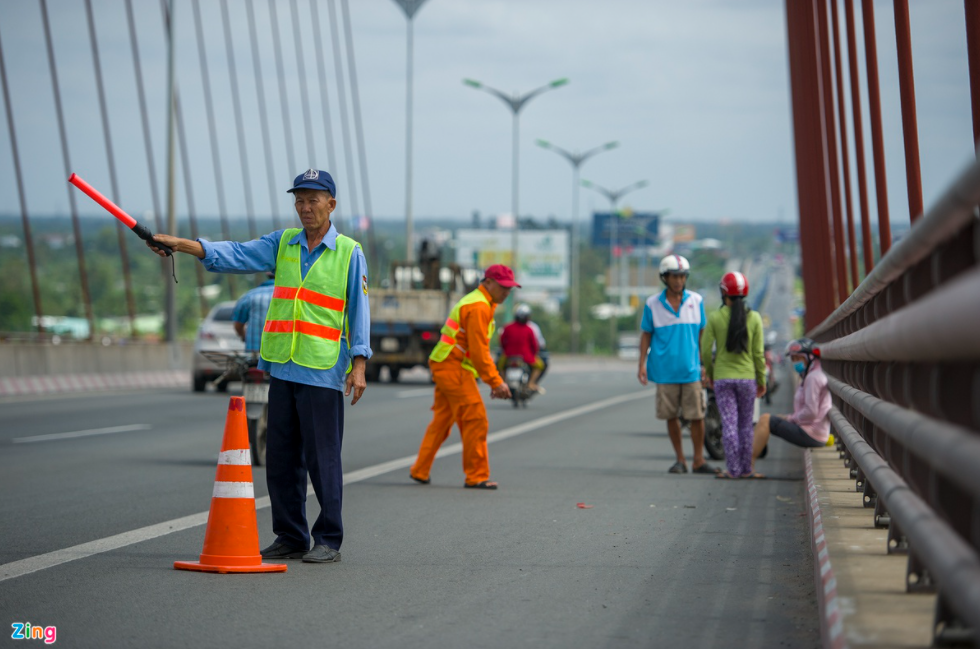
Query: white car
{"type": "Point", "coordinates": [216, 333]}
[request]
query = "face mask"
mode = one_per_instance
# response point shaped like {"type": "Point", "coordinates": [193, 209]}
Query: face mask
{"type": "Point", "coordinates": [799, 366]}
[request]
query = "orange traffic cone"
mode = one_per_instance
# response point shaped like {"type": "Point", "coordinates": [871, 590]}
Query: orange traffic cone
{"type": "Point", "coordinates": [231, 542]}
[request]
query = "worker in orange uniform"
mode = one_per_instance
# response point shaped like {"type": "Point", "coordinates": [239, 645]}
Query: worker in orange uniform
{"type": "Point", "coordinates": [462, 355]}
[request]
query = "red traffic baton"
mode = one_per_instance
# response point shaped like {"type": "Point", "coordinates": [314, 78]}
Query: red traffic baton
{"type": "Point", "coordinates": [141, 230]}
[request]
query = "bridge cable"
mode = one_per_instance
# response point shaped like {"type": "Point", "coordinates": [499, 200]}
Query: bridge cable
{"type": "Point", "coordinates": [79, 247]}
{"type": "Point", "coordinates": [263, 116]}
{"type": "Point", "coordinates": [239, 127]}
{"type": "Point", "coordinates": [186, 168]}
{"type": "Point", "coordinates": [362, 150]}
{"type": "Point", "coordinates": [212, 134]}
{"type": "Point", "coordinates": [342, 98]}
{"type": "Point", "coordinates": [284, 104]}
{"type": "Point", "coordinates": [144, 119]}
{"type": "Point", "coordinates": [113, 180]}
{"type": "Point", "coordinates": [28, 239]}
{"type": "Point", "coordinates": [304, 94]}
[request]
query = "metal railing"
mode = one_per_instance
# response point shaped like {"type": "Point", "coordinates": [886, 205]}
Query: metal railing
{"type": "Point", "coordinates": [902, 355]}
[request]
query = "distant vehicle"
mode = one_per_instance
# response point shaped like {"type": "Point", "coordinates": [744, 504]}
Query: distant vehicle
{"type": "Point", "coordinates": [407, 316]}
{"type": "Point", "coordinates": [216, 334]}
{"type": "Point", "coordinates": [629, 347]}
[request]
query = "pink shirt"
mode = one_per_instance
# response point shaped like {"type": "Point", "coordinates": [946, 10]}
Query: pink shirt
{"type": "Point", "coordinates": [811, 404]}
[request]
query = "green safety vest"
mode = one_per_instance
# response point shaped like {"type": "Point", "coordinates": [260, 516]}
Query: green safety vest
{"type": "Point", "coordinates": [449, 330]}
{"type": "Point", "coordinates": [307, 317]}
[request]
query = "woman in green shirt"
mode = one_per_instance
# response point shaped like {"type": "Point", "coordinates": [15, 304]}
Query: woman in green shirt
{"type": "Point", "coordinates": [736, 371]}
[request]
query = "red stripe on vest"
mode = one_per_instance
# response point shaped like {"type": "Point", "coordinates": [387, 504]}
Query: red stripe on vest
{"type": "Point", "coordinates": [306, 295]}
{"type": "Point", "coordinates": [446, 339]}
{"type": "Point", "coordinates": [321, 299]}
{"type": "Point", "coordinates": [279, 326]}
{"type": "Point", "coordinates": [320, 331]}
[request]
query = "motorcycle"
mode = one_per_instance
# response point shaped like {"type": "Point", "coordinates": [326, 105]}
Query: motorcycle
{"type": "Point", "coordinates": [255, 389]}
{"type": "Point", "coordinates": [771, 383]}
{"type": "Point", "coordinates": [517, 374]}
{"type": "Point", "coordinates": [712, 426]}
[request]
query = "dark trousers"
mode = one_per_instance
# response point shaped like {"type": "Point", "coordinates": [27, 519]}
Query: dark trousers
{"type": "Point", "coordinates": [306, 430]}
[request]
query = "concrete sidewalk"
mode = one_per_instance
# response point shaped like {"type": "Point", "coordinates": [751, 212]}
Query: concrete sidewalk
{"type": "Point", "coordinates": [860, 586]}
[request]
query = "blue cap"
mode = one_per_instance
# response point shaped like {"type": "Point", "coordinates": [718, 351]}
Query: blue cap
{"type": "Point", "coordinates": [314, 179]}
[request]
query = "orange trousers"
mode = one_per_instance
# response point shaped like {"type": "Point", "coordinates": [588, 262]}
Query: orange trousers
{"type": "Point", "coordinates": [457, 400]}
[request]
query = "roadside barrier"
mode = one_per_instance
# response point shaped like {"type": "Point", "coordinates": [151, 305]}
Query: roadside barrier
{"type": "Point", "coordinates": [902, 354]}
{"type": "Point", "coordinates": [231, 542]}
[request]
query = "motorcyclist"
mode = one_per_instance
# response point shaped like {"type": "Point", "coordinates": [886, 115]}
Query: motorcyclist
{"type": "Point", "coordinates": [518, 339]}
{"type": "Point", "coordinates": [542, 343]}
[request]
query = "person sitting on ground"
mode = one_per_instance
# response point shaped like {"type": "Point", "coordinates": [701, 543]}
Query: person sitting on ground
{"type": "Point", "coordinates": [518, 339]}
{"type": "Point", "coordinates": [809, 425]}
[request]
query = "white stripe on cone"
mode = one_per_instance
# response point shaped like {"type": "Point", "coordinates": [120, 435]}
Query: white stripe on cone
{"type": "Point", "coordinates": [239, 457]}
{"type": "Point", "coordinates": [233, 490]}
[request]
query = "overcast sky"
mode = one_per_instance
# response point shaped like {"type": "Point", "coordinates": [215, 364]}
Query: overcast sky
{"type": "Point", "coordinates": [695, 91]}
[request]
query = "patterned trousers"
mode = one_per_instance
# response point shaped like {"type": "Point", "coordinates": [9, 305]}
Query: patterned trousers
{"type": "Point", "coordinates": [736, 402]}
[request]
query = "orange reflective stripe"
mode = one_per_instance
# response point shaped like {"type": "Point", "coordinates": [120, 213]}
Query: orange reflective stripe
{"type": "Point", "coordinates": [308, 328]}
{"type": "Point", "coordinates": [446, 339]}
{"type": "Point", "coordinates": [279, 326]}
{"type": "Point", "coordinates": [320, 331]}
{"type": "Point", "coordinates": [452, 324]}
{"type": "Point", "coordinates": [305, 294]}
{"type": "Point", "coordinates": [321, 299]}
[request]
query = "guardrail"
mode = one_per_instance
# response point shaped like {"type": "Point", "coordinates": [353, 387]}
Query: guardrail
{"type": "Point", "coordinates": [902, 354]}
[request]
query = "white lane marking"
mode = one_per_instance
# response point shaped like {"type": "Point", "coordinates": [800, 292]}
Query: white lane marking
{"type": "Point", "coordinates": [58, 557]}
{"type": "Point", "coordinates": [81, 433]}
{"type": "Point", "coordinates": [405, 394]}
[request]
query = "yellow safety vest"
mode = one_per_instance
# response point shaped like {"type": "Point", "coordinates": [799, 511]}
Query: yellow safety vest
{"type": "Point", "coordinates": [449, 330]}
{"type": "Point", "coordinates": [308, 316]}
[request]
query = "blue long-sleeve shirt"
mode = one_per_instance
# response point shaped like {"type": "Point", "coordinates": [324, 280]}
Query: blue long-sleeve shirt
{"type": "Point", "coordinates": [260, 255]}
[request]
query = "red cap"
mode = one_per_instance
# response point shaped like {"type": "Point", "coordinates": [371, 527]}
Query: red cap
{"type": "Point", "coordinates": [502, 275]}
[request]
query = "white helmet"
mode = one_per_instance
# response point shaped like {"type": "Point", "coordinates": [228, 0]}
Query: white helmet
{"type": "Point", "coordinates": [674, 264]}
{"type": "Point", "coordinates": [522, 311]}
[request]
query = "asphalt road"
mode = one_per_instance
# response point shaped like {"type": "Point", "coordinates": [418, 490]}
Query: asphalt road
{"type": "Point", "coordinates": [657, 560]}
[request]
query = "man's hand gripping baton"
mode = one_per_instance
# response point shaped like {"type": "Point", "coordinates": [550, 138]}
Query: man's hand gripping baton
{"type": "Point", "coordinates": [141, 230]}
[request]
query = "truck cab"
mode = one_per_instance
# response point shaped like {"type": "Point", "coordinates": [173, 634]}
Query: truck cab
{"type": "Point", "coordinates": [408, 312]}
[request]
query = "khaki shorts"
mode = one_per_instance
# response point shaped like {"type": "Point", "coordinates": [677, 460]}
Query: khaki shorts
{"type": "Point", "coordinates": [680, 399]}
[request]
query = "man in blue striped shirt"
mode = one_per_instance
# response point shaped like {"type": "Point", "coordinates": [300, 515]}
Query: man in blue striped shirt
{"type": "Point", "coordinates": [249, 317]}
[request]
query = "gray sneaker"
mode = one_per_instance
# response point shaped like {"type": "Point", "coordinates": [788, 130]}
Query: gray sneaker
{"type": "Point", "coordinates": [322, 554]}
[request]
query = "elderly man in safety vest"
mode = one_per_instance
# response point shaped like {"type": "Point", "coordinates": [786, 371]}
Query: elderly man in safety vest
{"type": "Point", "coordinates": [317, 341]}
{"type": "Point", "coordinates": [461, 356]}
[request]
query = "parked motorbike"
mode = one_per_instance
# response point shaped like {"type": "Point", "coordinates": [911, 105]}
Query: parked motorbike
{"type": "Point", "coordinates": [771, 383]}
{"type": "Point", "coordinates": [712, 426]}
{"type": "Point", "coordinates": [255, 389]}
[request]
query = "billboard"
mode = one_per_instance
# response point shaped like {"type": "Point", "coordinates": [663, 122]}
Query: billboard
{"type": "Point", "coordinates": [542, 255]}
{"type": "Point", "coordinates": [684, 233]}
{"type": "Point", "coordinates": [627, 228]}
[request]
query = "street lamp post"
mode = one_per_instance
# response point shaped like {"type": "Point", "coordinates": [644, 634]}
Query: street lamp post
{"type": "Point", "coordinates": [410, 7]}
{"type": "Point", "coordinates": [515, 102]}
{"type": "Point", "coordinates": [614, 197]}
{"type": "Point", "coordinates": [576, 159]}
